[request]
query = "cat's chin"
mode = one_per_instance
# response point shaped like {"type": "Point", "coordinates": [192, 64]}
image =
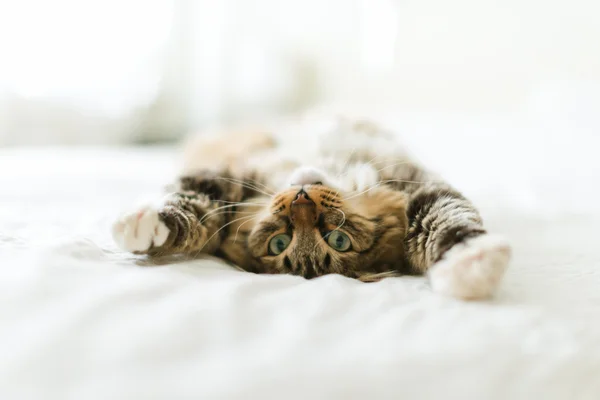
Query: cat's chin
{"type": "Point", "coordinates": [307, 175]}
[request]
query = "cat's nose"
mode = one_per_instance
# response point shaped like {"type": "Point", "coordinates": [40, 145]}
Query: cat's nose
{"type": "Point", "coordinates": [302, 199]}
{"type": "Point", "coordinates": [303, 209]}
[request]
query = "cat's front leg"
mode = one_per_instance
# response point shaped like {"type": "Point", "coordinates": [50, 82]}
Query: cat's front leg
{"type": "Point", "coordinates": [446, 240]}
{"type": "Point", "coordinates": [191, 220]}
{"type": "Point", "coordinates": [140, 230]}
{"type": "Point", "coordinates": [181, 223]}
{"type": "Point", "coordinates": [471, 269]}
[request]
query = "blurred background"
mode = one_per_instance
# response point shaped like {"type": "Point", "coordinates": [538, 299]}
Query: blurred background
{"type": "Point", "coordinates": [139, 71]}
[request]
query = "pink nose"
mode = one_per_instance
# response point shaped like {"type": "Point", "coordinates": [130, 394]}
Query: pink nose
{"type": "Point", "coordinates": [302, 199]}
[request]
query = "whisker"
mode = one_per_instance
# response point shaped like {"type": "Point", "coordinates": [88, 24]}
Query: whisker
{"type": "Point", "coordinates": [220, 229]}
{"type": "Point", "coordinates": [394, 165]}
{"type": "Point", "coordinates": [255, 182]}
{"type": "Point", "coordinates": [241, 202]}
{"type": "Point", "coordinates": [248, 186]}
{"type": "Point", "coordinates": [239, 227]}
{"type": "Point", "coordinates": [343, 218]}
{"type": "Point", "coordinates": [373, 163]}
{"type": "Point", "coordinates": [372, 160]}
{"type": "Point", "coordinates": [402, 181]}
{"type": "Point", "coordinates": [226, 212]}
{"type": "Point", "coordinates": [209, 213]}
{"type": "Point", "coordinates": [228, 206]}
{"type": "Point", "coordinates": [249, 182]}
{"type": "Point", "coordinates": [343, 169]}
{"type": "Point", "coordinates": [376, 185]}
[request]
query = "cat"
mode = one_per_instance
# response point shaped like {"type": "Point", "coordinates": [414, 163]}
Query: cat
{"type": "Point", "coordinates": [350, 202]}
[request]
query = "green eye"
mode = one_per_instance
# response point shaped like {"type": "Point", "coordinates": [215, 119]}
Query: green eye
{"type": "Point", "coordinates": [339, 241]}
{"type": "Point", "coordinates": [279, 243]}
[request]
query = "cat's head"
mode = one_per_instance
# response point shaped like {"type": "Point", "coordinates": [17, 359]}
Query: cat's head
{"type": "Point", "coordinates": [315, 229]}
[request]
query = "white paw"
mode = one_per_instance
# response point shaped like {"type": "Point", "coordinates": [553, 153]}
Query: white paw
{"type": "Point", "coordinates": [138, 231]}
{"type": "Point", "coordinates": [471, 271]}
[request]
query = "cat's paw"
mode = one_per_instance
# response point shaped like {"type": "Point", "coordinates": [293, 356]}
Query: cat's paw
{"type": "Point", "coordinates": [473, 270]}
{"type": "Point", "coordinates": [140, 230]}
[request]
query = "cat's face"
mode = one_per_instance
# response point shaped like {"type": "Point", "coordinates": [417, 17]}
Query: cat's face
{"type": "Point", "coordinates": [313, 230]}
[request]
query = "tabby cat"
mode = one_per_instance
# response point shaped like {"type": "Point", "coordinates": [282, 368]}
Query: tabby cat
{"type": "Point", "coordinates": [349, 202]}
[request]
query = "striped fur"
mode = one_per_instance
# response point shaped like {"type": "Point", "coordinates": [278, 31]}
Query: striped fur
{"type": "Point", "coordinates": [439, 217]}
{"type": "Point", "coordinates": [400, 218]}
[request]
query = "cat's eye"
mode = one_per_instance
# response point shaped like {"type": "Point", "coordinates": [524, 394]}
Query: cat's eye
{"type": "Point", "coordinates": [279, 243]}
{"type": "Point", "coordinates": [339, 241]}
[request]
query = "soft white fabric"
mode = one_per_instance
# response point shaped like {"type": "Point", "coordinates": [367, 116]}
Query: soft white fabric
{"type": "Point", "coordinates": [81, 320]}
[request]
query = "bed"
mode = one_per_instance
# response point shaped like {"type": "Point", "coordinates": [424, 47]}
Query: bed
{"type": "Point", "coordinates": [80, 319]}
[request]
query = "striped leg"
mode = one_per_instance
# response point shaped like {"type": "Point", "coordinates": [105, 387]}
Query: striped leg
{"type": "Point", "coordinates": [446, 239]}
{"type": "Point", "coordinates": [187, 221]}
{"type": "Point", "coordinates": [181, 223]}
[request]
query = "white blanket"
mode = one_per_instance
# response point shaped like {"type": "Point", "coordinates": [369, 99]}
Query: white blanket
{"type": "Point", "coordinates": [81, 320]}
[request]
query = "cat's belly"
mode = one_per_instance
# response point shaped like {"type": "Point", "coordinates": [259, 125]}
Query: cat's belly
{"type": "Point", "coordinates": [349, 153]}
{"type": "Point", "coordinates": [349, 156]}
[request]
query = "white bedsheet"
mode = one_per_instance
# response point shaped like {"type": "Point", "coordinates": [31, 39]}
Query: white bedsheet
{"type": "Point", "coordinates": [81, 320]}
